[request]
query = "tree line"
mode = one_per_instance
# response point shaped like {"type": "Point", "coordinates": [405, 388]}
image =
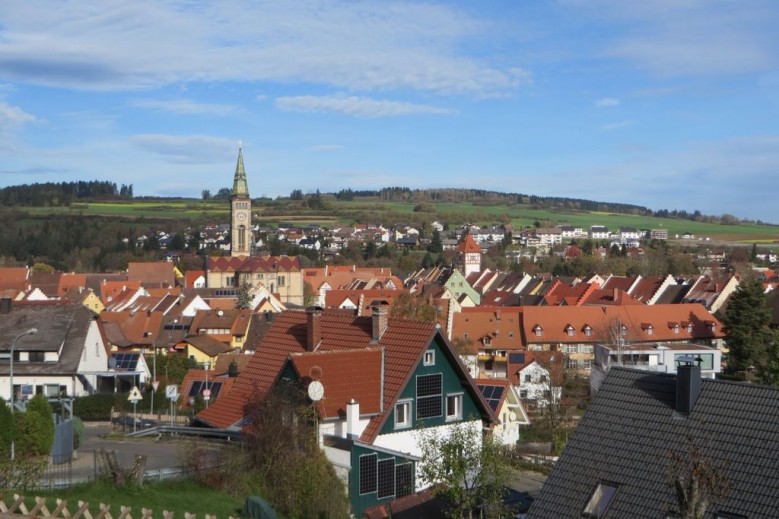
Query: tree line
{"type": "Point", "coordinates": [55, 194]}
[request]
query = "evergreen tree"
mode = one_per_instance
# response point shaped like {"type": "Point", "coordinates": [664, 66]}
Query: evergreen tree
{"type": "Point", "coordinates": [747, 330]}
{"type": "Point", "coordinates": [436, 245]}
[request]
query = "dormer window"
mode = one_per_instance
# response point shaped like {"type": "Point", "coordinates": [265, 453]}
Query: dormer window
{"type": "Point", "coordinates": [623, 330]}
{"type": "Point", "coordinates": [648, 328]}
{"type": "Point", "coordinates": [687, 326]}
{"type": "Point", "coordinates": [569, 330]}
{"type": "Point", "coordinates": [600, 500]}
{"type": "Point", "coordinates": [487, 340]}
{"type": "Point", "coordinates": [588, 330]}
{"type": "Point", "coordinates": [538, 331]}
{"type": "Point", "coordinates": [674, 327]}
{"type": "Point", "coordinates": [711, 325]}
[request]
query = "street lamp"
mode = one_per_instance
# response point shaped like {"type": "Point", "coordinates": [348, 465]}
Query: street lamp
{"type": "Point", "coordinates": [31, 331]}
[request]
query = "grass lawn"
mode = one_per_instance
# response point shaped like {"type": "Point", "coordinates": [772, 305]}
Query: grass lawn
{"type": "Point", "coordinates": [174, 496]}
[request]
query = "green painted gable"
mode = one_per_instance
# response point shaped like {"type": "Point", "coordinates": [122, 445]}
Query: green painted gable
{"type": "Point", "coordinates": [458, 285]}
{"type": "Point", "coordinates": [451, 385]}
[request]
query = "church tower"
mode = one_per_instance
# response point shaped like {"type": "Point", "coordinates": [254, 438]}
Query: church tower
{"type": "Point", "coordinates": [240, 212]}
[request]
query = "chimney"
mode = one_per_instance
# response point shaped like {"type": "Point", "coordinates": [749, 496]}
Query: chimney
{"type": "Point", "coordinates": [352, 418]}
{"type": "Point", "coordinates": [232, 370]}
{"type": "Point", "coordinates": [380, 318]}
{"type": "Point", "coordinates": [313, 327]}
{"type": "Point", "coordinates": [688, 384]}
{"type": "Point", "coordinates": [6, 304]}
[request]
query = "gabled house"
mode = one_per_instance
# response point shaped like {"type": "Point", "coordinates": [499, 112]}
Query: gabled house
{"type": "Point", "coordinates": [504, 400]}
{"type": "Point", "coordinates": [67, 355]}
{"type": "Point", "coordinates": [458, 286]}
{"type": "Point", "coordinates": [643, 432]}
{"type": "Point", "coordinates": [539, 379]}
{"type": "Point", "coordinates": [382, 379]}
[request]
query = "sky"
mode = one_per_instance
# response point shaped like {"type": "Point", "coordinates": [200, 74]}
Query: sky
{"type": "Point", "coordinates": [668, 104]}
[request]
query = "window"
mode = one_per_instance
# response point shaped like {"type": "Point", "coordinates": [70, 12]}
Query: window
{"type": "Point", "coordinates": [587, 330]}
{"type": "Point", "coordinates": [542, 378]}
{"type": "Point", "coordinates": [368, 473]}
{"type": "Point", "coordinates": [528, 378]}
{"type": "Point", "coordinates": [403, 414]}
{"type": "Point", "coordinates": [429, 358]}
{"type": "Point", "coordinates": [386, 478]}
{"type": "Point", "coordinates": [600, 500]}
{"type": "Point", "coordinates": [538, 331]}
{"type": "Point", "coordinates": [523, 393]}
{"type": "Point", "coordinates": [569, 330]}
{"type": "Point", "coordinates": [36, 356]}
{"type": "Point", "coordinates": [280, 280]}
{"type": "Point", "coordinates": [429, 388]}
{"type": "Point", "coordinates": [454, 406]}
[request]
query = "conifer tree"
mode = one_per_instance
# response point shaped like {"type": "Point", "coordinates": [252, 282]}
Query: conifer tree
{"type": "Point", "coordinates": [748, 334]}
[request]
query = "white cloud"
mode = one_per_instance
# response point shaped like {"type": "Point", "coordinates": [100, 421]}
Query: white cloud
{"type": "Point", "coordinates": [689, 37]}
{"type": "Point", "coordinates": [371, 45]}
{"type": "Point", "coordinates": [184, 106]}
{"type": "Point", "coordinates": [189, 149]}
{"type": "Point", "coordinates": [607, 102]}
{"type": "Point", "coordinates": [11, 116]}
{"type": "Point", "coordinates": [355, 106]}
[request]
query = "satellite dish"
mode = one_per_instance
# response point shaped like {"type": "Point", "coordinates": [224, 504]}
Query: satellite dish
{"type": "Point", "coordinates": [316, 391]}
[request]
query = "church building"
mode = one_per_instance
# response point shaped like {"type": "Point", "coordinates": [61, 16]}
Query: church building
{"type": "Point", "coordinates": [281, 275]}
{"type": "Point", "coordinates": [240, 212]}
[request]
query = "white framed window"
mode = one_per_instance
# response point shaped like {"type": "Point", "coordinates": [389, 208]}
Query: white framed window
{"type": "Point", "coordinates": [403, 414]}
{"type": "Point", "coordinates": [454, 406]}
{"type": "Point", "coordinates": [429, 358]}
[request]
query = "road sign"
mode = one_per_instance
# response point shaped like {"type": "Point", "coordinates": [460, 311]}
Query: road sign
{"type": "Point", "coordinates": [206, 394]}
{"type": "Point", "coordinates": [155, 385]}
{"type": "Point", "coordinates": [134, 395]}
{"type": "Point", "coordinates": [172, 392]}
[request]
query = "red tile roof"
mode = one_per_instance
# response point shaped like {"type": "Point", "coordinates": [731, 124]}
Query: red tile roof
{"type": "Point", "coordinates": [500, 324]}
{"type": "Point", "coordinates": [152, 272]}
{"type": "Point", "coordinates": [253, 263]}
{"type": "Point", "coordinates": [468, 245]}
{"type": "Point", "coordinates": [344, 375]}
{"type": "Point", "coordinates": [603, 320]}
{"type": "Point", "coordinates": [404, 343]}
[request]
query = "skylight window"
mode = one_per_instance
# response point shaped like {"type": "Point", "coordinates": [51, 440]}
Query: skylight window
{"type": "Point", "coordinates": [600, 500]}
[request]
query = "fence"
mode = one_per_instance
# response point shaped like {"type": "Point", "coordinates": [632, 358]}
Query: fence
{"type": "Point", "coordinates": [18, 510]}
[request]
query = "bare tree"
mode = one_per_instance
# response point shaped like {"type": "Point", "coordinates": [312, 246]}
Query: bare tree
{"type": "Point", "coordinates": [697, 480]}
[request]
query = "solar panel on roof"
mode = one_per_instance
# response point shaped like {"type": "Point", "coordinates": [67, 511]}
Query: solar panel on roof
{"type": "Point", "coordinates": [492, 394]}
{"type": "Point", "coordinates": [517, 358]}
{"type": "Point", "coordinates": [126, 361]}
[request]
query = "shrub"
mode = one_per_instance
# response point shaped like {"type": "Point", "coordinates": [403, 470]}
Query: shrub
{"type": "Point", "coordinates": [6, 429]}
{"type": "Point", "coordinates": [44, 437]}
{"type": "Point", "coordinates": [78, 432]}
{"type": "Point", "coordinates": [95, 407]}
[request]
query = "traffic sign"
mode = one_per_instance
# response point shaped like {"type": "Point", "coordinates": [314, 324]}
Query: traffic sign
{"type": "Point", "coordinates": [134, 395]}
{"type": "Point", "coordinates": [155, 385]}
{"type": "Point", "coordinates": [206, 394]}
{"type": "Point", "coordinates": [172, 392]}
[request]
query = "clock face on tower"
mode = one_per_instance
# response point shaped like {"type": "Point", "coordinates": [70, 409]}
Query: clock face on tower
{"type": "Point", "coordinates": [241, 216]}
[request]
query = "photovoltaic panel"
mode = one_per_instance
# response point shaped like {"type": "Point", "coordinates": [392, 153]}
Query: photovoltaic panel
{"type": "Point", "coordinates": [126, 361]}
{"type": "Point", "coordinates": [404, 479]}
{"type": "Point", "coordinates": [368, 473]}
{"type": "Point", "coordinates": [492, 394]}
{"type": "Point", "coordinates": [386, 474]}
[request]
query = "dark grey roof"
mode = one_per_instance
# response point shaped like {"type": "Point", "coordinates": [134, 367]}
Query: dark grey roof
{"type": "Point", "coordinates": [673, 294]}
{"type": "Point", "coordinates": [631, 428]}
{"type": "Point", "coordinates": [62, 327]}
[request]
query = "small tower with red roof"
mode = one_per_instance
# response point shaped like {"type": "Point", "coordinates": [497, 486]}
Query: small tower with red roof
{"type": "Point", "coordinates": [468, 258]}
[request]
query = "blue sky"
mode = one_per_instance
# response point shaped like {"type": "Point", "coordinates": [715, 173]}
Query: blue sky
{"type": "Point", "coordinates": [665, 103]}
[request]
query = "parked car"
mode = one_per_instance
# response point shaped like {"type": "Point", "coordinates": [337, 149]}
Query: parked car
{"type": "Point", "coordinates": [128, 423]}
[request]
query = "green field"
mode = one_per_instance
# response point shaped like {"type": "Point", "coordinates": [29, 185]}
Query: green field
{"type": "Point", "coordinates": [174, 496]}
{"type": "Point", "coordinates": [389, 213]}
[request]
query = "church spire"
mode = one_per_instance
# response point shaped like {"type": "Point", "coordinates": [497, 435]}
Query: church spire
{"type": "Point", "coordinates": [240, 187]}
